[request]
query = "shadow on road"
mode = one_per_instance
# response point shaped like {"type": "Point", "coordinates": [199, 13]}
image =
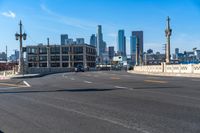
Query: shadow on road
{"type": "Point", "coordinates": [1, 131]}
{"type": "Point", "coordinates": [64, 90]}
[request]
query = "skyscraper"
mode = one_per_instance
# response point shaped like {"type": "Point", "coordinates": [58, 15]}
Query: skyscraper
{"type": "Point", "coordinates": [139, 36]}
{"type": "Point", "coordinates": [93, 40]}
{"type": "Point", "coordinates": [111, 52]}
{"type": "Point", "coordinates": [176, 53]}
{"type": "Point", "coordinates": [80, 41]}
{"type": "Point", "coordinates": [99, 41]}
{"type": "Point", "coordinates": [121, 43]}
{"type": "Point", "coordinates": [63, 39]}
{"type": "Point", "coordinates": [133, 41]}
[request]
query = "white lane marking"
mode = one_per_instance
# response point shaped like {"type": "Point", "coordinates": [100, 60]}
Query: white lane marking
{"type": "Point", "coordinates": [126, 75]}
{"type": "Point", "coordinates": [72, 78]}
{"type": "Point", "coordinates": [121, 87]}
{"type": "Point", "coordinates": [87, 82]}
{"type": "Point", "coordinates": [196, 80]}
{"type": "Point", "coordinates": [27, 84]}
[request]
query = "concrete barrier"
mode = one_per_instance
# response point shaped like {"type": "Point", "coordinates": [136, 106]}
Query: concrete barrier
{"type": "Point", "coordinates": [8, 73]}
{"type": "Point", "coordinates": [45, 71]}
{"type": "Point", "coordinates": [180, 68]}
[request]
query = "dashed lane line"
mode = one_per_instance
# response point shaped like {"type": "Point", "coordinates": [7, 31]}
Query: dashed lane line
{"type": "Point", "coordinates": [88, 82]}
{"type": "Point", "coordinates": [115, 78]}
{"type": "Point", "coordinates": [156, 81]}
{"type": "Point", "coordinates": [72, 78]}
{"type": "Point", "coordinates": [121, 87]}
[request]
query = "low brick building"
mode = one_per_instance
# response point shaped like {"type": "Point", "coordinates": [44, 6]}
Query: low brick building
{"type": "Point", "coordinates": [60, 56]}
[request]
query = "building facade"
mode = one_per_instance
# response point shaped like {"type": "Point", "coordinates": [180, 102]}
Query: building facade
{"type": "Point", "coordinates": [111, 52]}
{"type": "Point", "coordinates": [61, 56]}
{"type": "Point", "coordinates": [121, 43]}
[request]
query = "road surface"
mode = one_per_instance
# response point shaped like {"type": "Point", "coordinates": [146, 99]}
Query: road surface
{"type": "Point", "coordinates": [100, 102]}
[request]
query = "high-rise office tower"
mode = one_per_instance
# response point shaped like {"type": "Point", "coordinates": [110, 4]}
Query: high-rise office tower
{"type": "Point", "coordinates": [80, 41]}
{"type": "Point", "coordinates": [99, 40]}
{"type": "Point", "coordinates": [121, 43]}
{"type": "Point", "coordinates": [176, 53]}
{"type": "Point", "coordinates": [111, 52]}
{"type": "Point", "coordinates": [93, 40]}
{"type": "Point", "coordinates": [139, 45]}
{"type": "Point", "coordinates": [133, 41]}
{"type": "Point", "coordinates": [63, 39]}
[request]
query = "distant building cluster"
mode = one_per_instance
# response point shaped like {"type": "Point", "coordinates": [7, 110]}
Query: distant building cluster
{"type": "Point", "coordinates": [69, 41]}
{"type": "Point", "coordinates": [73, 53]}
{"type": "Point", "coordinates": [187, 56]}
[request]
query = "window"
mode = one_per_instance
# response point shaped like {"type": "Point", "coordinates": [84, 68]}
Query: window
{"type": "Point", "coordinates": [65, 58]}
{"type": "Point", "coordinates": [65, 50]}
{"type": "Point", "coordinates": [43, 64]}
{"type": "Point", "coordinates": [55, 50]}
{"type": "Point", "coordinates": [32, 50]}
{"type": "Point", "coordinates": [32, 58]}
{"type": "Point", "coordinates": [64, 64]}
{"type": "Point", "coordinates": [43, 58]}
{"type": "Point", "coordinates": [55, 58]}
{"type": "Point", "coordinates": [43, 50]}
{"type": "Point", "coordinates": [78, 58]}
{"type": "Point", "coordinates": [55, 64]}
{"type": "Point", "coordinates": [78, 50]}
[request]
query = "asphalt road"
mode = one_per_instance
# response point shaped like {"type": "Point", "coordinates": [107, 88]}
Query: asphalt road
{"type": "Point", "coordinates": [100, 102]}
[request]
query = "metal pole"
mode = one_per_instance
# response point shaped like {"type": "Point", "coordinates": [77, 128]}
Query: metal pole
{"type": "Point", "coordinates": [48, 53]}
{"type": "Point", "coordinates": [21, 52]}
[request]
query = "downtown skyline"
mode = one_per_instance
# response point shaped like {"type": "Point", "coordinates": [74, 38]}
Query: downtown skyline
{"type": "Point", "coordinates": [79, 18]}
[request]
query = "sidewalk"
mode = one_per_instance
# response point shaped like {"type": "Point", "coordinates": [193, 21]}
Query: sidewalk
{"type": "Point", "coordinates": [167, 74]}
{"type": "Point", "coordinates": [26, 76]}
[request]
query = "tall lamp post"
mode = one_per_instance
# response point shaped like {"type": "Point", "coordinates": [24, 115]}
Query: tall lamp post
{"type": "Point", "coordinates": [21, 36]}
{"type": "Point", "coordinates": [168, 33]}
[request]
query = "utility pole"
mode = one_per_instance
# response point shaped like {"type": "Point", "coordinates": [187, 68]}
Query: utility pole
{"type": "Point", "coordinates": [48, 54]}
{"type": "Point", "coordinates": [6, 54]}
{"type": "Point", "coordinates": [20, 37]}
{"type": "Point", "coordinates": [69, 54]}
{"type": "Point", "coordinates": [168, 33]}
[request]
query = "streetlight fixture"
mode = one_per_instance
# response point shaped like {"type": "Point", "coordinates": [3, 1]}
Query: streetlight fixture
{"type": "Point", "coordinates": [20, 36]}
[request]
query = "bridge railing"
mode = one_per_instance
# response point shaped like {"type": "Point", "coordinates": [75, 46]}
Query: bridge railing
{"type": "Point", "coordinates": [176, 68]}
{"type": "Point", "coordinates": [8, 73]}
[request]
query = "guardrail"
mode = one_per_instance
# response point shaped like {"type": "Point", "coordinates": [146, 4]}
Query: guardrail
{"type": "Point", "coordinates": [180, 68]}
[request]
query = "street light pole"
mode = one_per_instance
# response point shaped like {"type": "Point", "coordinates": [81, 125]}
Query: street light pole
{"type": "Point", "coordinates": [21, 36]}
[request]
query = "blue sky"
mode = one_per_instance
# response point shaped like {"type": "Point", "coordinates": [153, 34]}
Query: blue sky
{"type": "Point", "coordinates": [79, 18]}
